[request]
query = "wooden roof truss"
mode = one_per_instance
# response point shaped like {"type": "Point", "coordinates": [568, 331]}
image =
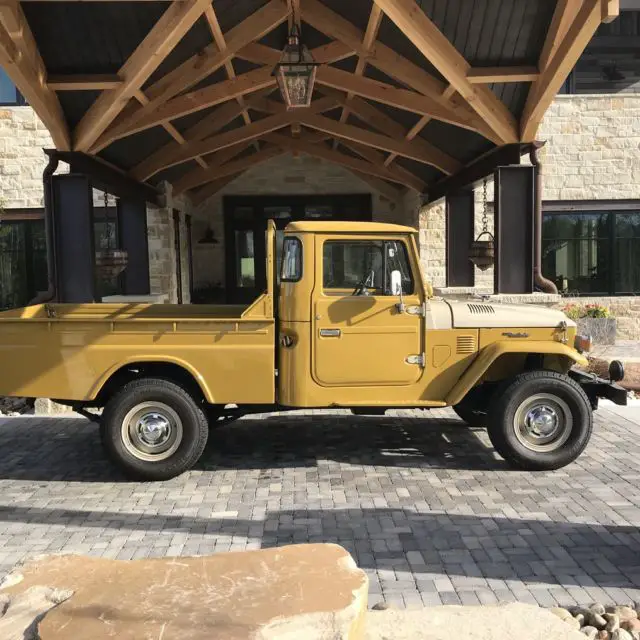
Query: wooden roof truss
{"type": "Point", "coordinates": [463, 99]}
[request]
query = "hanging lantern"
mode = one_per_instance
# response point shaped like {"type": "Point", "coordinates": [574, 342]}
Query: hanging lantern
{"type": "Point", "coordinates": [482, 252]}
{"type": "Point", "coordinates": [110, 263]}
{"type": "Point", "coordinates": [296, 72]}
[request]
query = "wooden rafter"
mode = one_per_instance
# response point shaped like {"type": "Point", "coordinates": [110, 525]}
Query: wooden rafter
{"type": "Point", "coordinates": [370, 36]}
{"type": "Point", "coordinates": [227, 139]}
{"type": "Point", "coordinates": [197, 100]}
{"type": "Point", "coordinates": [433, 44]}
{"type": "Point", "coordinates": [202, 176]}
{"type": "Point", "coordinates": [219, 39]}
{"type": "Point", "coordinates": [303, 145]}
{"type": "Point", "coordinates": [582, 28]}
{"type": "Point", "coordinates": [326, 54]}
{"type": "Point", "coordinates": [197, 68]}
{"type": "Point", "coordinates": [560, 22]}
{"type": "Point", "coordinates": [20, 58]}
{"type": "Point", "coordinates": [488, 75]}
{"type": "Point", "coordinates": [419, 126]}
{"type": "Point", "coordinates": [421, 151]}
{"type": "Point", "coordinates": [400, 98]}
{"type": "Point", "coordinates": [381, 186]}
{"type": "Point", "coordinates": [166, 33]}
{"type": "Point", "coordinates": [84, 82]}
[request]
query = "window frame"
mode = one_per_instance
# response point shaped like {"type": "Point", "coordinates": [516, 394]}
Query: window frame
{"type": "Point", "coordinates": [613, 208]}
{"type": "Point", "coordinates": [297, 241]}
{"type": "Point", "coordinates": [332, 292]}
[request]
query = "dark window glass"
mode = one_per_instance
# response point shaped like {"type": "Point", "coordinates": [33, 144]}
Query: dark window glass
{"type": "Point", "coordinates": [105, 237]}
{"type": "Point", "coordinates": [348, 265]}
{"type": "Point", "coordinates": [292, 260]}
{"type": "Point", "coordinates": [627, 253]}
{"type": "Point", "coordinates": [592, 252]}
{"type": "Point", "coordinates": [23, 262]}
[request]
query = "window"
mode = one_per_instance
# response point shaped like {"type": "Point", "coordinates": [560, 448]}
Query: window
{"type": "Point", "coordinates": [105, 237]}
{"type": "Point", "coordinates": [23, 261]}
{"type": "Point", "coordinates": [9, 94]}
{"type": "Point", "coordinates": [349, 265]}
{"type": "Point", "coordinates": [592, 252]}
{"type": "Point", "coordinates": [292, 260]}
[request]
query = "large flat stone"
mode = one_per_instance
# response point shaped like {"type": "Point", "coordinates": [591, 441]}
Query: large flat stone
{"type": "Point", "coordinates": [310, 592]}
{"type": "Point", "coordinates": [505, 622]}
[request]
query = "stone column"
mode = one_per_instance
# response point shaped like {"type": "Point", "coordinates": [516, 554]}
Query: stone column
{"type": "Point", "coordinates": [432, 243]}
{"type": "Point", "coordinates": [162, 254]}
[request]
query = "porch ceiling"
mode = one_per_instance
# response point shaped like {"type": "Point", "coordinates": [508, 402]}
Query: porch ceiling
{"type": "Point", "coordinates": [409, 91]}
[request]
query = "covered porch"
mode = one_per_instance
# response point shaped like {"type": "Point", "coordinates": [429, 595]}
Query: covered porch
{"type": "Point", "coordinates": [174, 109]}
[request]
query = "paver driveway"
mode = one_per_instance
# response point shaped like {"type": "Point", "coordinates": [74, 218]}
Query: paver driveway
{"type": "Point", "coordinates": [421, 501]}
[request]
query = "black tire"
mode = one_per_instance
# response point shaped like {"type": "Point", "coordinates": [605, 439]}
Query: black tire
{"type": "Point", "coordinates": [474, 407]}
{"type": "Point", "coordinates": [175, 435]}
{"type": "Point", "coordinates": [560, 433]}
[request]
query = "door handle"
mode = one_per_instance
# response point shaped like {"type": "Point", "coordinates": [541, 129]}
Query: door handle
{"type": "Point", "coordinates": [330, 333]}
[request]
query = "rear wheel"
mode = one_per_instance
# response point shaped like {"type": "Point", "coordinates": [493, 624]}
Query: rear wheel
{"type": "Point", "coordinates": [153, 429]}
{"type": "Point", "coordinates": [541, 421]}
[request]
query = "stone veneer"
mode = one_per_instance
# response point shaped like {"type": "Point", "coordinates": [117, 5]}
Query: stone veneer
{"type": "Point", "coordinates": [299, 175]}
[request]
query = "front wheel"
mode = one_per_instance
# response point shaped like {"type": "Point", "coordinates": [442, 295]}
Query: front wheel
{"type": "Point", "coordinates": [541, 421]}
{"type": "Point", "coordinates": [153, 429]}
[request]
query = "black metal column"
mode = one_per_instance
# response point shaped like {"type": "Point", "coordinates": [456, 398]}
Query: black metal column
{"type": "Point", "coordinates": [514, 211]}
{"type": "Point", "coordinates": [73, 237]}
{"type": "Point", "coordinates": [459, 236]}
{"type": "Point", "coordinates": [132, 229]}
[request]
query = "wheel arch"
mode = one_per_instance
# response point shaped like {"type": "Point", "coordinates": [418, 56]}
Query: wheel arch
{"type": "Point", "coordinates": [504, 355]}
{"type": "Point", "coordinates": [173, 369]}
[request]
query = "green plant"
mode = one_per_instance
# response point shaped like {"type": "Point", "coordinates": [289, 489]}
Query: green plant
{"type": "Point", "coordinates": [572, 310]}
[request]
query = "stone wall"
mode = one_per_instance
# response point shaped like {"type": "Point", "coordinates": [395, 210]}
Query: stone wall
{"type": "Point", "coordinates": [299, 175]}
{"type": "Point", "coordinates": [22, 160]}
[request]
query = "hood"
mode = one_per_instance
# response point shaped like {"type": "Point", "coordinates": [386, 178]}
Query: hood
{"type": "Point", "coordinates": [479, 315]}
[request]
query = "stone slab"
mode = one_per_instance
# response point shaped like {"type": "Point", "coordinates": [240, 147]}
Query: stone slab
{"type": "Point", "coordinates": [312, 591]}
{"type": "Point", "coordinates": [505, 622]}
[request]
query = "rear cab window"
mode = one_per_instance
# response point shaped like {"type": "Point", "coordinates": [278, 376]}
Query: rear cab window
{"type": "Point", "coordinates": [291, 270]}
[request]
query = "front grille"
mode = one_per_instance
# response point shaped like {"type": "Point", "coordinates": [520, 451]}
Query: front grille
{"type": "Point", "coordinates": [466, 344]}
{"type": "Point", "coordinates": [479, 309]}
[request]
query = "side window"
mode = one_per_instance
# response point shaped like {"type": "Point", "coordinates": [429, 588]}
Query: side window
{"type": "Point", "coordinates": [351, 265]}
{"type": "Point", "coordinates": [291, 260]}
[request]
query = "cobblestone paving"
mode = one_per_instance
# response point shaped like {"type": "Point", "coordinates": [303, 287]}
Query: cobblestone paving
{"type": "Point", "coordinates": [422, 502]}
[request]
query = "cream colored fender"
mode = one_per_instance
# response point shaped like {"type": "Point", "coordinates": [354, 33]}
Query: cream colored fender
{"type": "Point", "coordinates": [492, 352]}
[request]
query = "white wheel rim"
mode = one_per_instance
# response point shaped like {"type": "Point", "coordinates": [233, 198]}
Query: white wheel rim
{"type": "Point", "coordinates": [543, 422]}
{"type": "Point", "coordinates": [152, 431]}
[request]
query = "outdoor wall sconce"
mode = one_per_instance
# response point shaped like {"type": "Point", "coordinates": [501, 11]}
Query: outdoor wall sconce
{"type": "Point", "coordinates": [482, 252]}
{"type": "Point", "coordinates": [208, 237]}
{"type": "Point", "coordinates": [296, 72]}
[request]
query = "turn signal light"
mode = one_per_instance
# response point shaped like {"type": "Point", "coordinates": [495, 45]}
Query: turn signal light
{"type": "Point", "coordinates": [583, 343]}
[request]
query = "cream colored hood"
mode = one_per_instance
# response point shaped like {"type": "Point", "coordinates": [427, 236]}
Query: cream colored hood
{"type": "Point", "coordinates": [480, 315]}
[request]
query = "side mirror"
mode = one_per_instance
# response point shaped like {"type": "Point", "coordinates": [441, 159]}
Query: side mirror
{"type": "Point", "coordinates": [396, 283]}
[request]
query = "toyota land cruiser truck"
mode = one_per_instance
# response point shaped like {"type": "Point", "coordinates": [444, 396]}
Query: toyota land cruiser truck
{"type": "Point", "coordinates": [348, 322]}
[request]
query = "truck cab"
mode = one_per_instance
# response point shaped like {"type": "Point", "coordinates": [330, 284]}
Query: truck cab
{"type": "Point", "coordinates": [347, 322]}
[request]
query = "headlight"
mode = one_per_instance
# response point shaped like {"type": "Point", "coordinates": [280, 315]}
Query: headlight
{"type": "Point", "coordinates": [583, 343]}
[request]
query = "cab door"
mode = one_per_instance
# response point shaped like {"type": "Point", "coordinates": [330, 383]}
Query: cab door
{"type": "Point", "coordinates": [360, 336]}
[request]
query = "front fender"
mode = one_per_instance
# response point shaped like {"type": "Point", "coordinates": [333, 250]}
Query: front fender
{"type": "Point", "coordinates": [492, 352]}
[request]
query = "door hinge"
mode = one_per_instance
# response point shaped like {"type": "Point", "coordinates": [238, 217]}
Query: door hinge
{"type": "Point", "coordinates": [419, 360]}
{"type": "Point", "coordinates": [413, 310]}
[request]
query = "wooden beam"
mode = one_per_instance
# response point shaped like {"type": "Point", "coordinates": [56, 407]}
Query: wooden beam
{"type": "Point", "coordinates": [381, 186]}
{"type": "Point", "coordinates": [433, 44]}
{"type": "Point", "coordinates": [202, 176]}
{"type": "Point", "coordinates": [560, 22]}
{"type": "Point", "coordinates": [370, 36]}
{"type": "Point", "coordinates": [196, 101]}
{"type": "Point", "coordinates": [610, 10]}
{"type": "Point", "coordinates": [20, 58]}
{"type": "Point", "coordinates": [544, 91]}
{"type": "Point", "coordinates": [488, 75]}
{"type": "Point", "coordinates": [159, 161]}
{"type": "Point", "coordinates": [387, 94]}
{"type": "Point", "coordinates": [86, 82]}
{"type": "Point", "coordinates": [199, 66]}
{"type": "Point", "coordinates": [377, 157]}
{"type": "Point", "coordinates": [423, 152]}
{"type": "Point", "coordinates": [163, 37]}
{"type": "Point", "coordinates": [302, 145]}
{"type": "Point", "coordinates": [325, 54]}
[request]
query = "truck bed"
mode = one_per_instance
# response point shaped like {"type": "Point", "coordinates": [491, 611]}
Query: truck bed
{"type": "Point", "coordinates": [69, 351]}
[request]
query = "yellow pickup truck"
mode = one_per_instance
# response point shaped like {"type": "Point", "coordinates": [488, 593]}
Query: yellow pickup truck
{"type": "Point", "coordinates": [348, 322]}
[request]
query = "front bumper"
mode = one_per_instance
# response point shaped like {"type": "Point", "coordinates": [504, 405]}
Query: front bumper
{"type": "Point", "coordinates": [596, 387]}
